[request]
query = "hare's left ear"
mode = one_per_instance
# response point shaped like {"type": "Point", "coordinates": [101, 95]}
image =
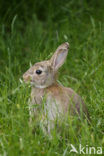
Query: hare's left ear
{"type": "Point", "coordinates": [59, 56]}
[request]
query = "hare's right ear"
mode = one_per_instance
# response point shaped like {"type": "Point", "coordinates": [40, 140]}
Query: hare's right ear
{"type": "Point", "coordinates": [59, 56]}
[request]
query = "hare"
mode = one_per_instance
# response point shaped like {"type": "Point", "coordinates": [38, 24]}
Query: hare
{"type": "Point", "coordinates": [59, 100]}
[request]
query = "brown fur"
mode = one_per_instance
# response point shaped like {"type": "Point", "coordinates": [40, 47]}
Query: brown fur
{"type": "Point", "coordinates": [59, 99]}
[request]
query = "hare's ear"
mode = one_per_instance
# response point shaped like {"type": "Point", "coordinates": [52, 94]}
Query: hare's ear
{"type": "Point", "coordinates": [59, 56]}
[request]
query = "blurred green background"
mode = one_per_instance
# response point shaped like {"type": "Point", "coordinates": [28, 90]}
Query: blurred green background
{"type": "Point", "coordinates": [30, 31]}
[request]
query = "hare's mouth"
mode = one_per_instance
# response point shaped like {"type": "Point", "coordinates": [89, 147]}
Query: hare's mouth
{"type": "Point", "coordinates": [32, 83]}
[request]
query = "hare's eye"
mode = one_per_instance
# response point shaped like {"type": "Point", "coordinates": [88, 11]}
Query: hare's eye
{"type": "Point", "coordinates": [38, 72]}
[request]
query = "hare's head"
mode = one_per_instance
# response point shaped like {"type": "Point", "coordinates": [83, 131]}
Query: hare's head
{"type": "Point", "coordinates": [42, 74]}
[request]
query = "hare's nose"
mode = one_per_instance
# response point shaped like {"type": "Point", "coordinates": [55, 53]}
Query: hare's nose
{"type": "Point", "coordinates": [27, 77]}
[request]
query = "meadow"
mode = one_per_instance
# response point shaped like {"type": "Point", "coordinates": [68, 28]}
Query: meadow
{"type": "Point", "coordinates": [30, 32]}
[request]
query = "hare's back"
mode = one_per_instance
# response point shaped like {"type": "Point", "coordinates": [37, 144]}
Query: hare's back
{"type": "Point", "coordinates": [65, 97]}
{"type": "Point", "coordinates": [77, 104]}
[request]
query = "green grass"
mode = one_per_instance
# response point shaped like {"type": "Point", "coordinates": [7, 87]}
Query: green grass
{"type": "Point", "coordinates": [34, 40]}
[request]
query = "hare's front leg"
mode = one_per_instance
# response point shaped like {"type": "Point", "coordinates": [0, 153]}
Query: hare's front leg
{"type": "Point", "coordinates": [47, 126]}
{"type": "Point", "coordinates": [50, 115]}
{"type": "Point", "coordinates": [32, 111]}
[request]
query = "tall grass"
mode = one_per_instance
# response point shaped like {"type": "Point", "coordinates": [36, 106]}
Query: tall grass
{"type": "Point", "coordinates": [24, 41]}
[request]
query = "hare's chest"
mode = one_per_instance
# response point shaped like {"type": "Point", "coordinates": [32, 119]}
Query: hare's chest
{"type": "Point", "coordinates": [48, 105]}
{"type": "Point", "coordinates": [37, 96]}
{"type": "Point", "coordinates": [52, 108]}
